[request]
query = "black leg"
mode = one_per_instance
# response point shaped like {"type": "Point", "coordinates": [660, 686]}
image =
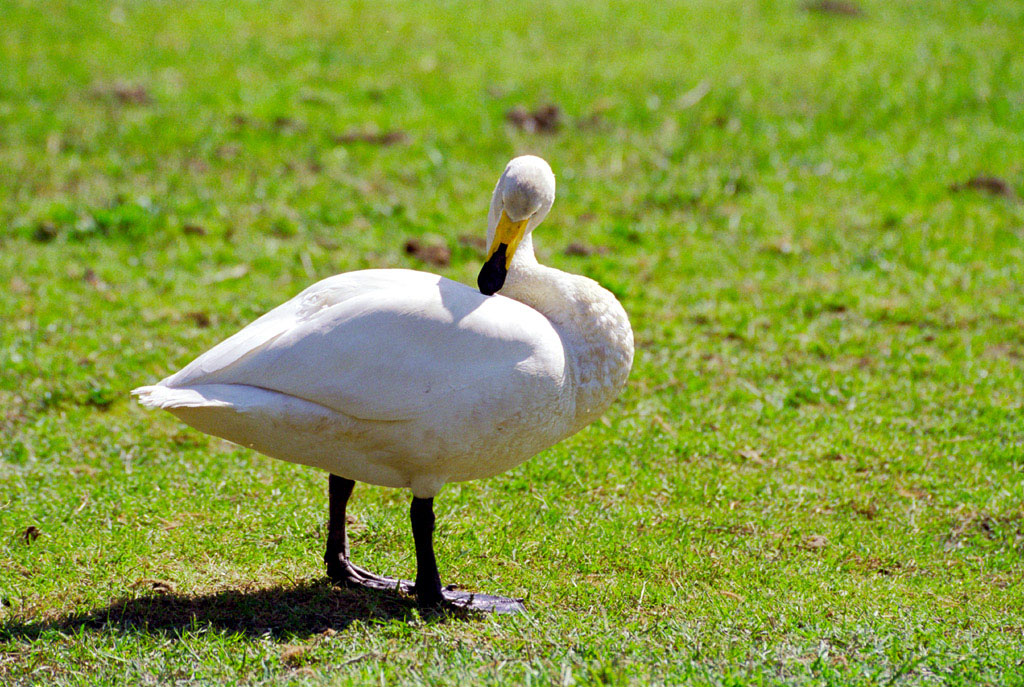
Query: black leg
{"type": "Point", "coordinates": [428, 580]}
{"type": "Point", "coordinates": [338, 492]}
{"type": "Point", "coordinates": [339, 568]}
{"type": "Point", "coordinates": [429, 592]}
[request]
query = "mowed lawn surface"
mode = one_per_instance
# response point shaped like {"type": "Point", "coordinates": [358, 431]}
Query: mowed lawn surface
{"type": "Point", "coordinates": [813, 477]}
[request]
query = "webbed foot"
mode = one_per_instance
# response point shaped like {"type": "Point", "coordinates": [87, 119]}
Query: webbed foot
{"type": "Point", "coordinates": [450, 598]}
{"type": "Point", "coordinates": [345, 573]}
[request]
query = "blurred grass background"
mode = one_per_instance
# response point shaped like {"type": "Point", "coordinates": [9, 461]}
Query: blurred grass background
{"type": "Point", "coordinates": [811, 212]}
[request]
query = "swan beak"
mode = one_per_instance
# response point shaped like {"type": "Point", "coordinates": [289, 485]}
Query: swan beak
{"type": "Point", "coordinates": [507, 236]}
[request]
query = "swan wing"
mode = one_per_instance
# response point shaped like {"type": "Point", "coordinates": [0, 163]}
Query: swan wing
{"type": "Point", "coordinates": [304, 307]}
{"type": "Point", "coordinates": [393, 352]}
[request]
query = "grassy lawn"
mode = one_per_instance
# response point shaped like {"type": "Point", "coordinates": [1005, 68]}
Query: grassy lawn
{"type": "Point", "coordinates": [813, 218]}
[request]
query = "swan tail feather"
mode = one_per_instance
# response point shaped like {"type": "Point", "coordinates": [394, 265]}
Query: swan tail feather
{"type": "Point", "coordinates": [166, 398]}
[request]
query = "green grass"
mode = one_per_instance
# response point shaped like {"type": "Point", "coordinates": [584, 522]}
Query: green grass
{"type": "Point", "coordinates": [814, 476]}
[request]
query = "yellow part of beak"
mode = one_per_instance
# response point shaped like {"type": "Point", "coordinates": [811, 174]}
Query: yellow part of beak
{"type": "Point", "coordinates": [510, 233]}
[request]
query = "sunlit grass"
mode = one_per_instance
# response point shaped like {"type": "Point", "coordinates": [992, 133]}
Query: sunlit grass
{"type": "Point", "coordinates": [814, 476]}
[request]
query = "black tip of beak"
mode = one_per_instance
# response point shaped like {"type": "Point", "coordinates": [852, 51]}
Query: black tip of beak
{"type": "Point", "coordinates": [492, 274]}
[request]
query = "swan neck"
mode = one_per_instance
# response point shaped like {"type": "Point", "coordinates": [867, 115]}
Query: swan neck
{"type": "Point", "coordinates": [592, 324]}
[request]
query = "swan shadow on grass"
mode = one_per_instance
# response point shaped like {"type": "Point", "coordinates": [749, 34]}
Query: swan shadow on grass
{"type": "Point", "coordinates": [299, 611]}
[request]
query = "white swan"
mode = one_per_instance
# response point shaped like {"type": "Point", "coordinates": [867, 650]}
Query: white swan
{"type": "Point", "coordinates": [407, 379]}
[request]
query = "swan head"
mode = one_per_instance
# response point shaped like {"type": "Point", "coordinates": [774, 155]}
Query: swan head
{"type": "Point", "coordinates": [521, 201]}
